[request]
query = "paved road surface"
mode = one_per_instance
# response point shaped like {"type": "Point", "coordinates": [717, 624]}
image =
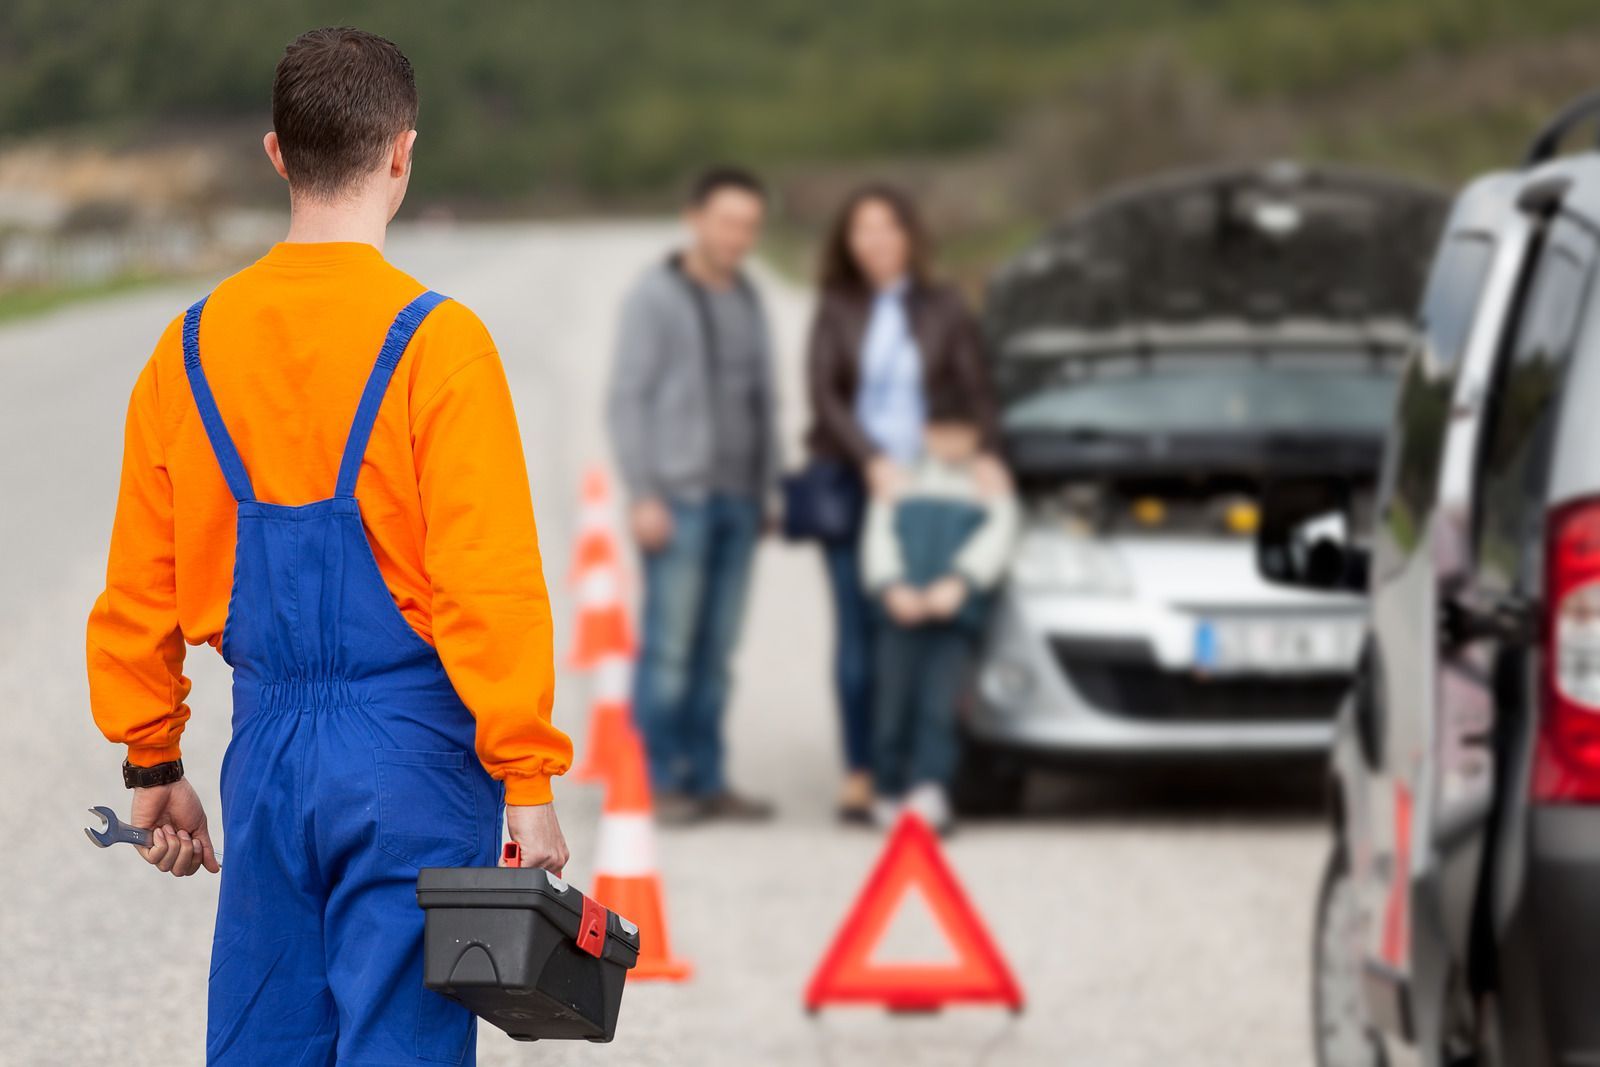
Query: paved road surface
{"type": "Point", "coordinates": [1148, 925]}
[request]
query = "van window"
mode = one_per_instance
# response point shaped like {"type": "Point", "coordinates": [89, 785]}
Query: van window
{"type": "Point", "coordinates": [1416, 444]}
{"type": "Point", "coordinates": [1515, 460]}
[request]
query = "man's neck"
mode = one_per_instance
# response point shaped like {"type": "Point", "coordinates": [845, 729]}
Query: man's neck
{"type": "Point", "coordinates": [698, 267]}
{"type": "Point", "coordinates": [363, 221]}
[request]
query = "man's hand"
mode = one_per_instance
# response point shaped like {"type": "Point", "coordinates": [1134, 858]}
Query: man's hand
{"type": "Point", "coordinates": [651, 522]}
{"type": "Point", "coordinates": [904, 604]}
{"type": "Point", "coordinates": [180, 842]}
{"type": "Point", "coordinates": [534, 827]}
{"type": "Point", "coordinates": [944, 598]}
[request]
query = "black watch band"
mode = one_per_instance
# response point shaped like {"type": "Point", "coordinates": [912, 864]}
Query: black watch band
{"type": "Point", "coordinates": [146, 777]}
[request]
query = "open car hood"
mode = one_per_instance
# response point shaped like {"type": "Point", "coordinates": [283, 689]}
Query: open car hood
{"type": "Point", "coordinates": [1043, 457]}
{"type": "Point", "coordinates": [1275, 258]}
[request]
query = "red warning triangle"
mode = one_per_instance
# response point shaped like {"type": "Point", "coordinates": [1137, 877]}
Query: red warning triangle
{"type": "Point", "coordinates": [912, 861]}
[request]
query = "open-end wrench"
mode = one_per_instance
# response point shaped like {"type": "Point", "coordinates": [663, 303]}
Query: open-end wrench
{"type": "Point", "coordinates": [117, 831]}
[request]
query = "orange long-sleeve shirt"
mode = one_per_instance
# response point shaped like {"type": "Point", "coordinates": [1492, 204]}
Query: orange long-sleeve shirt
{"type": "Point", "coordinates": [287, 345]}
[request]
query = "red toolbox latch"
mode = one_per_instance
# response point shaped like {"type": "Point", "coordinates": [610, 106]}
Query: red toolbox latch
{"type": "Point", "coordinates": [592, 928]}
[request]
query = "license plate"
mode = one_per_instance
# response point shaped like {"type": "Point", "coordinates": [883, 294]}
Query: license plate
{"type": "Point", "coordinates": [1281, 645]}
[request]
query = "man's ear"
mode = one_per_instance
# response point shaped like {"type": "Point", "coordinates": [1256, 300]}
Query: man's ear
{"type": "Point", "coordinates": [400, 159]}
{"type": "Point", "coordinates": [275, 153]}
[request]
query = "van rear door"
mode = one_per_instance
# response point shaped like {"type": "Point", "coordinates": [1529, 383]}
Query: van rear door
{"type": "Point", "coordinates": [1536, 517]}
{"type": "Point", "coordinates": [1425, 813]}
{"type": "Point", "coordinates": [1489, 558]}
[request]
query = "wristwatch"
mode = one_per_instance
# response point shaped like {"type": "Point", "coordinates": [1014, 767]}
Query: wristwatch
{"type": "Point", "coordinates": [145, 777]}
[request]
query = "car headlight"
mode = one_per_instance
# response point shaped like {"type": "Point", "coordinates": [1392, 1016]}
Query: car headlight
{"type": "Point", "coordinates": [1053, 562]}
{"type": "Point", "coordinates": [1006, 683]}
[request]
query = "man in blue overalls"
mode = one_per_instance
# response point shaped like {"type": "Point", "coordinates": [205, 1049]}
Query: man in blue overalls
{"type": "Point", "coordinates": [390, 642]}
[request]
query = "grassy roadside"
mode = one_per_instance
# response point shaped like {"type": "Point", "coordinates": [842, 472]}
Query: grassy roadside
{"type": "Point", "coordinates": [28, 301]}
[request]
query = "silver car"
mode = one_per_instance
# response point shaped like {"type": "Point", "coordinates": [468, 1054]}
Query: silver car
{"type": "Point", "coordinates": [1163, 358]}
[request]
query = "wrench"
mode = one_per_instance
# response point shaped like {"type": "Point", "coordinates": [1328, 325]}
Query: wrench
{"type": "Point", "coordinates": [117, 831]}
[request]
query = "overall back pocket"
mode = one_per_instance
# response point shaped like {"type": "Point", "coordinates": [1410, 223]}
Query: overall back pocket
{"type": "Point", "coordinates": [427, 807]}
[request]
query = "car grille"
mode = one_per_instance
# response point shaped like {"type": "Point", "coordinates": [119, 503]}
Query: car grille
{"type": "Point", "coordinates": [1122, 677]}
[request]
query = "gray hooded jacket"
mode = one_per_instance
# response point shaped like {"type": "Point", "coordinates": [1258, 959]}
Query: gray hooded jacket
{"type": "Point", "coordinates": [675, 383]}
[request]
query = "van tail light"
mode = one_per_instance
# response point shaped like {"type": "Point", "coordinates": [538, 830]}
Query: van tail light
{"type": "Point", "coordinates": [1566, 766]}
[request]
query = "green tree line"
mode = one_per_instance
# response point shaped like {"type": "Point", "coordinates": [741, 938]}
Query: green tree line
{"type": "Point", "coordinates": [621, 98]}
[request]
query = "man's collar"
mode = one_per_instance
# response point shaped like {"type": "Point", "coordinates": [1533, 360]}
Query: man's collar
{"type": "Point", "coordinates": [676, 264]}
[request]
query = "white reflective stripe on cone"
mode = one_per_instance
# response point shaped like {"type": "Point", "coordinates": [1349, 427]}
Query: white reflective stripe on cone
{"type": "Point", "coordinates": [627, 846]}
{"type": "Point", "coordinates": [599, 588]}
{"type": "Point", "coordinates": [613, 679]}
{"type": "Point", "coordinates": [593, 518]}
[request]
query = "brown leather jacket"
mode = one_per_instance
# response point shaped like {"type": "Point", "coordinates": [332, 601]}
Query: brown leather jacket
{"type": "Point", "coordinates": [948, 339]}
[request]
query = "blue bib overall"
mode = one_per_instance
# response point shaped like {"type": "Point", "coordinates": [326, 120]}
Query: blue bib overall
{"type": "Point", "coordinates": [351, 766]}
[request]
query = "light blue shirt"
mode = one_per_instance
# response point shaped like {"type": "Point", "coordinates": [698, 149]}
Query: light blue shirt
{"type": "Point", "coordinates": [889, 400]}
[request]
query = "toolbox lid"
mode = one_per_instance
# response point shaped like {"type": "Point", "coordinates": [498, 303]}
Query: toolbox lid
{"type": "Point", "coordinates": [536, 890]}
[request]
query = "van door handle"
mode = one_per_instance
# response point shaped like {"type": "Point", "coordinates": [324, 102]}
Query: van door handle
{"type": "Point", "coordinates": [1464, 618]}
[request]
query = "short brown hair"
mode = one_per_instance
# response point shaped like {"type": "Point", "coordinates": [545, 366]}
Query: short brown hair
{"type": "Point", "coordinates": [339, 98]}
{"type": "Point", "coordinates": [949, 403]}
{"type": "Point", "coordinates": [713, 180]}
{"type": "Point", "coordinates": [840, 271]}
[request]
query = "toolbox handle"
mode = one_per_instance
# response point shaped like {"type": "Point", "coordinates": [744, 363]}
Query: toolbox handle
{"type": "Point", "coordinates": [511, 856]}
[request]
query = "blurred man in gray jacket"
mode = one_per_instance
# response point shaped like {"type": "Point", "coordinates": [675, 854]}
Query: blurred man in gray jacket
{"type": "Point", "coordinates": [692, 410]}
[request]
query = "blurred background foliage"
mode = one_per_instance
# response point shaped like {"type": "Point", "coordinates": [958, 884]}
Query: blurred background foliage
{"type": "Point", "coordinates": [623, 97]}
{"type": "Point", "coordinates": [1000, 114]}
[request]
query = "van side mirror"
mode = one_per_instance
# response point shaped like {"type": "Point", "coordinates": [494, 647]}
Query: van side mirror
{"type": "Point", "coordinates": [1305, 537]}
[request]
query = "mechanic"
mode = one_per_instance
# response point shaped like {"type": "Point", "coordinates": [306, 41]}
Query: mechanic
{"type": "Point", "coordinates": [391, 643]}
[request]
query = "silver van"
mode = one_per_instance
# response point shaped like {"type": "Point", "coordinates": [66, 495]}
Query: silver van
{"type": "Point", "coordinates": [1459, 918]}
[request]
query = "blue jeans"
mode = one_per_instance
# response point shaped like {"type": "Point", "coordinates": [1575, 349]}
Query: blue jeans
{"type": "Point", "coordinates": [694, 597]}
{"type": "Point", "coordinates": [852, 658]}
{"type": "Point", "coordinates": [920, 673]}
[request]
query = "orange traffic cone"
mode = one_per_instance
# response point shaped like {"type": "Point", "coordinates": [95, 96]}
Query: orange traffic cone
{"type": "Point", "coordinates": [626, 880]}
{"type": "Point", "coordinates": [609, 718]}
{"type": "Point", "coordinates": [601, 628]}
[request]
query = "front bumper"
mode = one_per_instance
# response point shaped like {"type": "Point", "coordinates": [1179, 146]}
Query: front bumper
{"type": "Point", "coordinates": [1076, 678]}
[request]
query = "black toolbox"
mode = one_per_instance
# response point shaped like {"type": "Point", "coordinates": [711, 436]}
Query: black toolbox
{"type": "Point", "coordinates": [525, 951]}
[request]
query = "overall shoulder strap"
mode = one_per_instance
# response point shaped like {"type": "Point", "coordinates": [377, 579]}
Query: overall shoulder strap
{"type": "Point", "coordinates": [222, 444]}
{"type": "Point", "coordinates": [394, 346]}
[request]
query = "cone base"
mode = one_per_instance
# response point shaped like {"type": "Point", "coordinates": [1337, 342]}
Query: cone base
{"type": "Point", "coordinates": [661, 971]}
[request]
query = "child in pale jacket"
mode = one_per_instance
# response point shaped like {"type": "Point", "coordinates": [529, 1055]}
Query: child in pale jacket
{"type": "Point", "coordinates": [932, 553]}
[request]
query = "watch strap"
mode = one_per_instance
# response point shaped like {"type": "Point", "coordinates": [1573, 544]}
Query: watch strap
{"type": "Point", "coordinates": [147, 777]}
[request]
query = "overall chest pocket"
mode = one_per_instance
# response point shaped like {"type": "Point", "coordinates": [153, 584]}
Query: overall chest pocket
{"type": "Point", "coordinates": [427, 807]}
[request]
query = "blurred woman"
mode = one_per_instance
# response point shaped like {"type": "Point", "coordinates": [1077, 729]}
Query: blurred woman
{"type": "Point", "coordinates": [884, 336]}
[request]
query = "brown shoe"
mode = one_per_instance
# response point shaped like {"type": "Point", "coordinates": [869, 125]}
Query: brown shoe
{"type": "Point", "coordinates": [855, 799]}
{"type": "Point", "coordinates": [730, 805]}
{"type": "Point", "coordinates": [679, 809]}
